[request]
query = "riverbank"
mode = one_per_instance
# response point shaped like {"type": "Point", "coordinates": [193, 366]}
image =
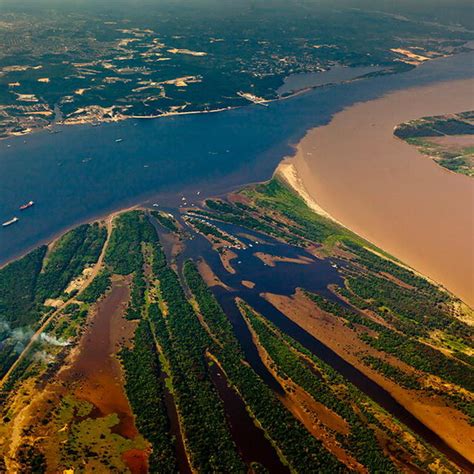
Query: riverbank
{"type": "Point", "coordinates": [88, 171]}
{"type": "Point", "coordinates": [386, 191]}
{"type": "Point", "coordinates": [301, 85]}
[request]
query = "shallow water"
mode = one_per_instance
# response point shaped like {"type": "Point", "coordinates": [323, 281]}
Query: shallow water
{"type": "Point", "coordinates": [96, 373]}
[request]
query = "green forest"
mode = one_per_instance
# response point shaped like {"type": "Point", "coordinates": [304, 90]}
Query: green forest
{"type": "Point", "coordinates": [181, 331]}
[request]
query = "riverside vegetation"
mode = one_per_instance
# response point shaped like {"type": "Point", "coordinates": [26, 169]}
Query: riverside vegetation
{"type": "Point", "coordinates": [406, 330]}
{"type": "Point", "coordinates": [448, 139]}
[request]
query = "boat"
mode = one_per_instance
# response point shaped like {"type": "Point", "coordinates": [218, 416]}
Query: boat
{"type": "Point", "coordinates": [10, 222]}
{"type": "Point", "coordinates": [119, 140]}
{"type": "Point", "coordinates": [27, 205]}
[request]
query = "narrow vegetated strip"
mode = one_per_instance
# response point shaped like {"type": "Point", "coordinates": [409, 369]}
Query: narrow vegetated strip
{"type": "Point", "coordinates": [299, 449]}
{"type": "Point", "coordinates": [417, 310]}
{"type": "Point", "coordinates": [145, 390]}
{"type": "Point", "coordinates": [185, 342]}
{"type": "Point", "coordinates": [406, 348]}
{"type": "Point", "coordinates": [17, 303]}
{"type": "Point", "coordinates": [243, 216]}
{"type": "Point", "coordinates": [255, 447]}
{"type": "Point", "coordinates": [76, 249]}
{"type": "Point", "coordinates": [18, 288]}
{"type": "Point", "coordinates": [214, 316]}
{"type": "Point", "coordinates": [208, 229]}
{"type": "Point", "coordinates": [413, 313]}
{"type": "Point", "coordinates": [391, 372]}
{"type": "Point", "coordinates": [279, 212]}
{"type": "Point", "coordinates": [163, 345]}
{"type": "Point", "coordinates": [125, 255]}
{"type": "Point", "coordinates": [361, 441]}
{"type": "Point", "coordinates": [26, 283]}
{"type": "Point", "coordinates": [378, 264]}
{"type": "Point", "coordinates": [165, 220]}
{"type": "Point", "coordinates": [124, 251]}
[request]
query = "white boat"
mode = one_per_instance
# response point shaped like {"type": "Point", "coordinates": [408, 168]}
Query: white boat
{"type": "Point", "coordinates": [10, 222]}
{"type": "Point", "coordinates": [119, 140]}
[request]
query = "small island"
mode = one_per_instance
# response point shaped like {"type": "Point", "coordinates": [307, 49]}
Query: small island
{"type": "Point", "coordinates": [448, 139]}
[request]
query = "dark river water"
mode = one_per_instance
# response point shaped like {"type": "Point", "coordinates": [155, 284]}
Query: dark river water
{"type": "Point", "coordinates": [284, 279]}
{"type": "Point", "coordinates": [82, 172]}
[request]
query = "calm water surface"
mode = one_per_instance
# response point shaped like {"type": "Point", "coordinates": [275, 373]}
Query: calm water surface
{"type": "Point", "coordinates": [336, 74]}
{"type": "Point", "coordinates": [82, 172]}
{"type": "Point", "coordinates": [284, 279]}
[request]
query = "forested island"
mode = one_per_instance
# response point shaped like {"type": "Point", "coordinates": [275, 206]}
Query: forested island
{"type": "Point", "coordinates": [448, 139]}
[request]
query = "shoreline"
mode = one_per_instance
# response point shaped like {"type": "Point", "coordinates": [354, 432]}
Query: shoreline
{"type": "Point", "coordinates": [287, 172]}
{"type": "Point", "coordinates": [50, 240]}
{"type": "Point", "coordinates": [393, 395]}
{"type": "Point", "coordinates": [170, 196]}
{"type": "Point", "coordinates": [384, 70]}
{"type": "Point", "coordinates": [55, 127]}
{"type": "Point", "coordinates": [385, 190]}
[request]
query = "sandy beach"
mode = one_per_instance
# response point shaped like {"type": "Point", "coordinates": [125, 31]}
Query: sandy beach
{"type": "Point", "coordinates": [358, 173]}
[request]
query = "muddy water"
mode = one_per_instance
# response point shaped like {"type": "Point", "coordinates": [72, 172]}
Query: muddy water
{"type": "Point", "coordinates": [386, 191]}
{"type": "Point", "coordinates": [96, 374]}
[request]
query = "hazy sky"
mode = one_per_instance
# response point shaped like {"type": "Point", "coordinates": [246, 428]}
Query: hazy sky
{"type": "Point", "coordinates": [441, 11]}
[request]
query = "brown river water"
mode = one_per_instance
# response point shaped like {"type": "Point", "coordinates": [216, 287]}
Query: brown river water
{"type": "Point", "coordinates": [96, 373]}
{"type": "Point", "coordinates": [386, 191]}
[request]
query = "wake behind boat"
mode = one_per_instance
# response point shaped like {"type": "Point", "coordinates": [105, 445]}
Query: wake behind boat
{"type": "Point", "coordinates": [10, 222]}
{"type": "Point", "coordinates": [27, 205]}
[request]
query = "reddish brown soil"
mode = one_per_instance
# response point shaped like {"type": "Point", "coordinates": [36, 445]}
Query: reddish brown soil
{"type": "Point", "coordinates": [95, 373]}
